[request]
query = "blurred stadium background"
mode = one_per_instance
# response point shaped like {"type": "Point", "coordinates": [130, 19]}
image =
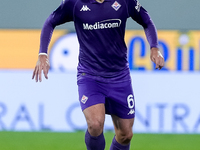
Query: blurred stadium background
{"type": "Point", "coordinates": [47, 115]}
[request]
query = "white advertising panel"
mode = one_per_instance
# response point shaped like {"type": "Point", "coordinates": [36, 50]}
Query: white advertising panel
{"type": "Point", "coordinates": [165, 102]}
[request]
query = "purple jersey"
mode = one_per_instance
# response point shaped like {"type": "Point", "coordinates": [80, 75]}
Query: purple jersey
{"type": "Point", "coordinates": [100, 29]}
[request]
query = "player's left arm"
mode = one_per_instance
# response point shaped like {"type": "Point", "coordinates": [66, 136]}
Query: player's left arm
{"type": "Point", "coordinates": [141, 16]}
{"type": "Point", "coordinates": [157, 57]}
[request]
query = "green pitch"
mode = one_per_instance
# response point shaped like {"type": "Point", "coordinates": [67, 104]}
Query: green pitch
{"type": "Point", "coordinates": [75, 141]}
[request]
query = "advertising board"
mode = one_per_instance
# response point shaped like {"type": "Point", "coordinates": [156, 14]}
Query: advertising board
{"type": "Point", "coordinates": [166, 101]}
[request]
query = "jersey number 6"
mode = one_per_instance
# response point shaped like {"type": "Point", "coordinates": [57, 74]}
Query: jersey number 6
{"type": "Point", "coordinates": [130, 101]}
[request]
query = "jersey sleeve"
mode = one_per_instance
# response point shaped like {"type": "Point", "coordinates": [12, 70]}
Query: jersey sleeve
{"type": "Point", "coordinates": [141, 16]}
{"type": "Point", "coordinates": [63, 14]}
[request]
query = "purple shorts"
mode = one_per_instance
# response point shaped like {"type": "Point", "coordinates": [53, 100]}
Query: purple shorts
{"type": "Point", "coordinates": [117, 97]}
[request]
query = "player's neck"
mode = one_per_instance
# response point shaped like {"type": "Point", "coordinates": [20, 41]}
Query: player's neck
{"type": "Point", "coordinates": [100, 1]}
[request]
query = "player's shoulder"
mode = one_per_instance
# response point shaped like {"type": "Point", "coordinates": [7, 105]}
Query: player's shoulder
{"type": "Point", "coordinates": [69, 2]}
{"type": "Point", "coordinates": [74, 1]}
{"type": "Point", "coordinates": [134, 2]}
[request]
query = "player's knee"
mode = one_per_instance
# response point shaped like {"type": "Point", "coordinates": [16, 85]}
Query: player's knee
{"type": "Point", "coordinates": [125, 138]}
{"type": "Point", "coordinates": [95, 128]}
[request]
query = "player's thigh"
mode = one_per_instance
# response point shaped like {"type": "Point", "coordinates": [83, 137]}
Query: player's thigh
{"type": "Point", "coordinates": [120, 101]}
{"type": "Point", "coordinates": [123, 127]}
{"type": "Point", "coordinates": [95, 117]}
{"type": "Point", "coordinates": [90, 93]}
{"type": "Point", "coordinates": [95, 113]}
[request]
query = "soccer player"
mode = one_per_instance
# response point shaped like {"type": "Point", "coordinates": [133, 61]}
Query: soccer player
{"type": "Point", "coordinates": [103, 77]}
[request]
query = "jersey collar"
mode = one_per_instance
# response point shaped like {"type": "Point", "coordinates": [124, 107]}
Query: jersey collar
{"type": "Point", "coordinates": [94, 1]}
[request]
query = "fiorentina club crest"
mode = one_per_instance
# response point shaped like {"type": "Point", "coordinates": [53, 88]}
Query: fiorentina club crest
{"type": "Point", "coordinates": [116, 5]}
{"type": "Point", "coordinates": [84, 99]}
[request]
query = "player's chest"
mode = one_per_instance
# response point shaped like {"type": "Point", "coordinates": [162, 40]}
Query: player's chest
{"type": "Point", "coordinates": [95, 12]}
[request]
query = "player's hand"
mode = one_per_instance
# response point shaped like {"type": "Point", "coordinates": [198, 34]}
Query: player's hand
{"type": "Point", "coordinates": [157, 58]}
{"type": "Point", "coordinates": [41, 65]}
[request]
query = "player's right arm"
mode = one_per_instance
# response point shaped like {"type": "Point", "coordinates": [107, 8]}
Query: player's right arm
{"type": "Point", "coordinates": [41, 65]}
{"type": "Point", "coordinates": [63, 14]}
